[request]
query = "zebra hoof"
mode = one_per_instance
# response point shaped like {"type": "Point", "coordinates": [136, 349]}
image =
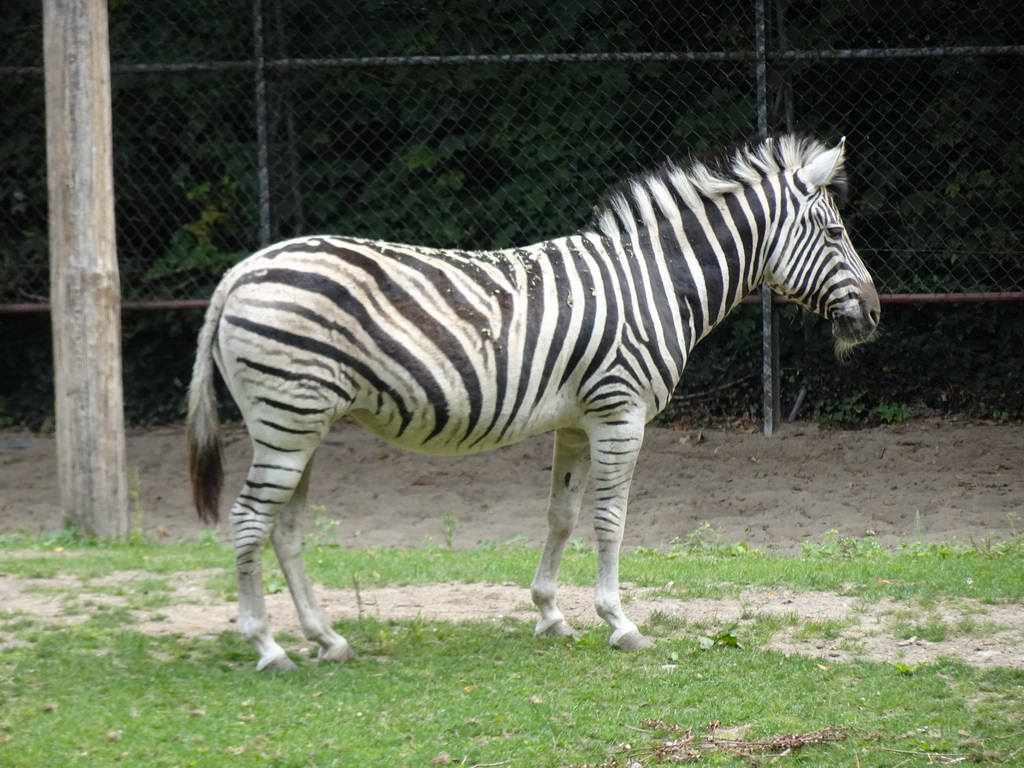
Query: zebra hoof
{"type": "Point", "coordinates": [631, 641]}
{"type": "Point", "coordinates": [340, 652]}
{"type": "Point", "coordinates": [557, 629]}
{"type": "Point", "coordinates": [276, 664]}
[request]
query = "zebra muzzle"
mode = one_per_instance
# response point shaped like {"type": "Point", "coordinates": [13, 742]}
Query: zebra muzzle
{"type": "Point", "coordinates": [855, 321]}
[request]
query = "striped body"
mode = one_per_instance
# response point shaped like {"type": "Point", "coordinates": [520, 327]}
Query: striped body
{"type": "Point", "coordinates": [450, 352]}
{"type": "Point", "coordinates": [441, 352]}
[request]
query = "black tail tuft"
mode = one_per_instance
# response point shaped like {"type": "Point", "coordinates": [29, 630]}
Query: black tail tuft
{"type": "Point", "coordinates": [206, 470]}
{"type": "Point", "coordinates": [205, 452]}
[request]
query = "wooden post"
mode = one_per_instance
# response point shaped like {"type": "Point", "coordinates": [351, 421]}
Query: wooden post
{"type": "Point", "coordinates": [84, 286]}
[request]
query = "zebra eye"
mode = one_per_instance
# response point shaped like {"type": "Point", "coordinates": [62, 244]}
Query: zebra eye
{"type": "Point", "coordinates": [834, 232]}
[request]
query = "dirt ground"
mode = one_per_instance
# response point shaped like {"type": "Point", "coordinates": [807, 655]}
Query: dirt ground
{"type": "Point", "coordinates": [928, 480]}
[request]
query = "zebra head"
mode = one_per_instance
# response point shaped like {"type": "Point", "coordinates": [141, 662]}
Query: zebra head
{"type": "Point", "coordinates": [814, 262]}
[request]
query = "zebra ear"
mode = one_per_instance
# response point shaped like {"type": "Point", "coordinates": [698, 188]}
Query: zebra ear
{"type": "Point", "coordinates": [822, 169]}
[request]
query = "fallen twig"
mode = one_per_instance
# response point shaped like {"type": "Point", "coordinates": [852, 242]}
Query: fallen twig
{"type": "Point", "coordinates": [920, 753]}
{"type": "Point", "coordinates": [634, 728]}
{"type": "Point", "coordinates": [685, 746]}
{"type": "Point", "coordinates": [713, 390]}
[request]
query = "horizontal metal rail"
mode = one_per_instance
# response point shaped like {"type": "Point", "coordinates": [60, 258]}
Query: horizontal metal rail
{"type": "Point", "coordinates": [510, 59]}
{"type": "Point", "coordinates": [916, 298]}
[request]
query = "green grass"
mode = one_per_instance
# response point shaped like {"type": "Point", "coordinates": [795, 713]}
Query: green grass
{"type": "Point", "coordinates": [899, 576]}
{"type": "Point", "coordinates": [419, 693]}
{"type": "Point", "coordinates": [825, 629]}
{"type": "Point", "coordinates": [91, 696]}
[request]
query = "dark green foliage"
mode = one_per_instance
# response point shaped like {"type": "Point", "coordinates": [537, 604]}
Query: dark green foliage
{"type": "Point", "coordinates": [488, 155]}
{"type": "Point", "coordinates": [933, 358]}
{"type": "Point", "coordinates": [930, 359]}
{"type": "Point", "coordinates": [158, 351]}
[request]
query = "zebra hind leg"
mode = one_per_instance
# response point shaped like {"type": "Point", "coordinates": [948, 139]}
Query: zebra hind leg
{"type": "Point", "coordinates": [287, 541]}
{"type": "Point", "coordinates": [269, 487]}
{"type": "Point", "coordinates": [569, 470]}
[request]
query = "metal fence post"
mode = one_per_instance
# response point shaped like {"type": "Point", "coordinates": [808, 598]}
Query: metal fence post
{"type": "Point", "coordinates": [262, 127]}
{"type": "Point", "coordinates": [769, 317]}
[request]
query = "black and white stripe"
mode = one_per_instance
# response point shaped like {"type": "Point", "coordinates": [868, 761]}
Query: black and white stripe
{"type": "Point", "coordinates": [453, 352]}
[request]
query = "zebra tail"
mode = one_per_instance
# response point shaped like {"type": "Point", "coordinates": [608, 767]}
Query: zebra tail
{"type": "Point", "coordinates": [205, 450]}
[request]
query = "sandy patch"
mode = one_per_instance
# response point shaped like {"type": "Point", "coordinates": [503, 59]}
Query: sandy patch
{"type": "Point", "coordinates": [861, 629]}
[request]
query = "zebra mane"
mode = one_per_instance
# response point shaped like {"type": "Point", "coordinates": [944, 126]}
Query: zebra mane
{"type": "Point", "coordinates": [700, 179]}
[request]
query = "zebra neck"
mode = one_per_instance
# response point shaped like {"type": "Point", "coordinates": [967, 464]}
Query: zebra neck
{"type": "Point", "coordinates": [711, 270]}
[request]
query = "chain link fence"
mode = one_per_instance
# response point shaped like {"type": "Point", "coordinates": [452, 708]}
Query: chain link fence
{"type": "Point", "coordinates": [481, 124]}
{"type": "Point", "coordinates": [491, 124]}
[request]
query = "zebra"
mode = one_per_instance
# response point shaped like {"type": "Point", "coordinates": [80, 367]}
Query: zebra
{"type": "Point", "coordinates": [453, 352]}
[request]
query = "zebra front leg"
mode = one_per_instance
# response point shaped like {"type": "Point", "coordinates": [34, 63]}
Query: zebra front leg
{"type": "Point", "coordinates": [287, 540]}
{"type": "Point", "coordinates": [569, 469]}
{"type": "Point", "coordinates": [614, 451]}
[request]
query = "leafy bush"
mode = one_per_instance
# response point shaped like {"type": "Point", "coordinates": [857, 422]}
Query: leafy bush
{"type": "Point", "coordinates": [497, 154]}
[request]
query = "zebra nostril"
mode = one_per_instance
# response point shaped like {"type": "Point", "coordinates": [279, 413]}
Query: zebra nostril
{"type": "Point", "coordinates": [875, 316]}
